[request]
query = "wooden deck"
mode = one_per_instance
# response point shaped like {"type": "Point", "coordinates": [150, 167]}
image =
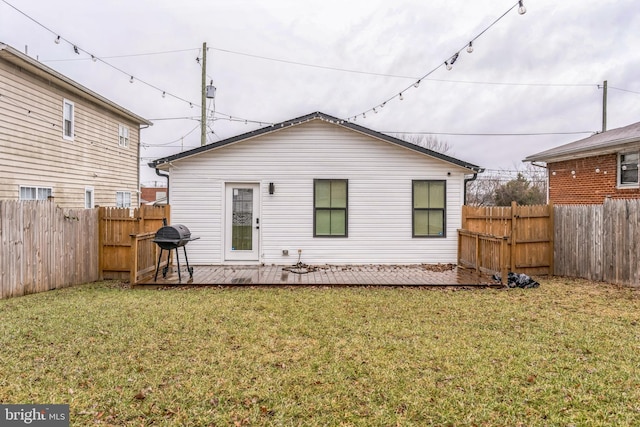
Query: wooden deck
{"type": "Point", "coordinates": [325, 275]}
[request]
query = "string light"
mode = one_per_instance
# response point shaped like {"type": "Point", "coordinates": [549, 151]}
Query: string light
{"type": "Point", "coordinates": [93, 58]}
{"type": "Point", "coordinates": [469, 47]}
{"type": "Point", "coordinates": [57, 40]}
{"type": "Point", "coordinates": [521, 9]}
{"type": "Point", "coordinates": [75, 49]}
{"type": "Point", "coordinates": [131, 79]}
{"type": "Point", "coordinates": [164, 94]}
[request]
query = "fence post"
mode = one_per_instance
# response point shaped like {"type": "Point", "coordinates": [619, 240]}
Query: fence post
{"type": "Point", "coordinates": [101, 232]}
{"type": "Point", "coordinates": [514, 227]}
{"type": "Point", "coordinates": [504, 271]}
{"type": "Point", "coordinates": [133, 273]}
{"type": "Point", "coordinates": [552, 237]}
{"type": "Point", "coordinates": [478, 253]}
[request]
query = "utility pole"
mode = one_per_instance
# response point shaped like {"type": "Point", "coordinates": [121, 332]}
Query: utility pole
{"type": "Point", "coordinates": [203, 101]}
{"type": "Point", "coordinates": [604, 106]}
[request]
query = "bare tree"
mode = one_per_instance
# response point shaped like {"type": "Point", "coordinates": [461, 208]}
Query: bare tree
{"type": "Point", "coordinates": [430, 142]}
{"type": "Point", "coordinates": [492, 183]}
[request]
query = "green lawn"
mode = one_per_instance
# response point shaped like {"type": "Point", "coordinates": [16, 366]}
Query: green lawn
{"type": "Point", "coordinates": [564, 354]}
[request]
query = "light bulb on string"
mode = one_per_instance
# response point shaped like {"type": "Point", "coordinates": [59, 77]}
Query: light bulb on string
{"type": "Point", "coordinates": [416, 84]}
{"type": "Point", "coordinates": [521, 9]}
{"type": "Point", "coordinates": [375, 111]}
{"type": "Point", "coordinates": [93, 58]}
{"type": "Point", "coordinates": [131, 79]}
{"type": "Point", "coordinates": [470, 47]}
{"type": "Point", "coordinates": [364, 115]}
{"type": "Point", "coordinates": [164, 94]}
{"type": "Point", "coordinates": [401, 97]}
{"type": "Point", "coordinates": [449, 66]}
{"type": "Point", "coordinates": [57, 40]}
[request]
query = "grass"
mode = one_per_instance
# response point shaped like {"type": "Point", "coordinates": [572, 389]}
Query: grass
{"type": "Point", "coordinates": [564, 354]}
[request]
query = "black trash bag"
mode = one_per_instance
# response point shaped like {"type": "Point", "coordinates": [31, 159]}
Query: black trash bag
{"type": "Point", "coordinates": [515, 280]}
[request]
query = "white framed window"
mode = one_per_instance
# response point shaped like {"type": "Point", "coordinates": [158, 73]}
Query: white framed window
{"type": "Point", "coordinates": [628, 169]}
{"type": "Point", "coordinates": [68, 120]}
{"type": "Point", "coordinates": [35, 193]}
{"type": "Point", "coordinates": [123, 199]}
{"type": "Point", "coordinates": [123, 136]}
{"type": "Point", "coordinates": [89, 201]}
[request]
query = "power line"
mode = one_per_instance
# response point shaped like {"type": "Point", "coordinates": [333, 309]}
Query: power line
{"type": "Point", "coordinates": [624, 90]}
{"type": "Point", "coordinates": [77, 49]}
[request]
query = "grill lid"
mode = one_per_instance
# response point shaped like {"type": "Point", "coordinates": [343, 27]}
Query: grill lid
{"type": "Point", "coordinates": [176, 232]}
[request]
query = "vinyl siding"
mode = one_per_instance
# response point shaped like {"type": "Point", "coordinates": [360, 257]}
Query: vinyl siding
{"type": "Point", "coordinates": [33, 151]}
{"type": "Point", "coordinates": [379, 212]}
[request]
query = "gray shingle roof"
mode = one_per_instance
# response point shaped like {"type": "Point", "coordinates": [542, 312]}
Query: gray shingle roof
{"type": "Point", "coordinates": [601, 143]}
{"type": "Point", "coordinates": [306, 118]}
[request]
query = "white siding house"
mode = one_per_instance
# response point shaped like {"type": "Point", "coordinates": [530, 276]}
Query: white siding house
{"type": "Point", "coordinates": [317, 189]}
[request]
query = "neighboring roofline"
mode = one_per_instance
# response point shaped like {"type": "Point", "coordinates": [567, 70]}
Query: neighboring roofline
{"type": "Point", "coordinates": [611, 141]}
{"type": "Point", "coordinates": [306, 118]}
{"type": "Point", "coordinates": [18, 58]}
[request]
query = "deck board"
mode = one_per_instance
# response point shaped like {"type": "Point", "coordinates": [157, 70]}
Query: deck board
{"type": "Point", "coordinates": [326, 275]}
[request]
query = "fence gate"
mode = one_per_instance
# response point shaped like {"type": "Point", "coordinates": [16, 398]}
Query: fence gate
{"type": "Point", "coordinates": [497, 239]}
{"type": "Point", "coordinates": [123, 231]}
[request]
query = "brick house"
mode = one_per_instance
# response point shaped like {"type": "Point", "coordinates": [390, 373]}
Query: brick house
{"type": "Point", "coordinates": [588, 171]}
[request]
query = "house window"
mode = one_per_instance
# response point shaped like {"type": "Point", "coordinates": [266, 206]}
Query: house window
{"type": "Point", "coordinates": [123, 136]}
{"type": "Point", "coordinates": [35, 193]}
{"type": "Point", "coordinates": [68, 122]}
{"type": "Point", "coordinates": [88, 198]}
{"type": "Point", "coordinates": [330, 208]}
{"type": "Point", "coordinates": [123, 199]}
{"type": "Point", "coordinates": [429, 208]}
{"type": "Point", "coordinates": [628, 169]}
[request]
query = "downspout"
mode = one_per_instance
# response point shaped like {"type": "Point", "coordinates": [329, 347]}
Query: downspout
{"type": "Point", "coordinates": [160, 174]}
{"type": "Point", "coordinates": [466, 180]}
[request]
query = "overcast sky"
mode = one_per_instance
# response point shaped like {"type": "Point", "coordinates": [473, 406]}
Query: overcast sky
{"type": "Point", "coordinates": [271, 61]}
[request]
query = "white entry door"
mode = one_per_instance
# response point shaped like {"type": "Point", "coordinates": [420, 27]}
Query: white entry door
{"type": "Point", "coordinates": [242, 229]}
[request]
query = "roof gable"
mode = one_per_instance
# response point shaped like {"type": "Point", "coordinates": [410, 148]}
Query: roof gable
{"type": "Point", "coordinates": [600, 143]}
{"type": "Point", "coordinates": [35, 67]}
{"type": "Point", "coordinates": [304, 119]}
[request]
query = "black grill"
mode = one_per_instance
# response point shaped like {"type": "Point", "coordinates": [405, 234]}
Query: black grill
{"type": "Point", "coordinates": [171, 237]}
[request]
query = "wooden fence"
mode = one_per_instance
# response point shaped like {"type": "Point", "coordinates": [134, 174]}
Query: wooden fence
{"type": "Point", "coordinates": [43, 247]}
{"type": "Point", "coordinates": [126, 246]}
{"type": "Point", "coordinates": [495, 239]}
{"type": "Point", "coordinates": [599, 242]}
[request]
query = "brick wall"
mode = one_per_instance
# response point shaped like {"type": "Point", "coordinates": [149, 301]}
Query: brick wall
{"type": "Point", "coordinates": [587, 181]}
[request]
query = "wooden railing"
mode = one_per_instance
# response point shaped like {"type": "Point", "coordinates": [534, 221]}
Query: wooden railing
{"type": "Point", "coordinates": [483, 252]}
{"type": "Point", "coordinates": [144, 253]}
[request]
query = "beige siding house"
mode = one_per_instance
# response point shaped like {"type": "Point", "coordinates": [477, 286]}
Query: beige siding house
{"type": "Point", "coordinates": [320, 190]}
{"type": "Point", "coordinates": [59, 139]}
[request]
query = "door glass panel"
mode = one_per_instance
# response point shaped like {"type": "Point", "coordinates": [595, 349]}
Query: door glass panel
{"type": "Point", "coordinates": [242, 219]}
